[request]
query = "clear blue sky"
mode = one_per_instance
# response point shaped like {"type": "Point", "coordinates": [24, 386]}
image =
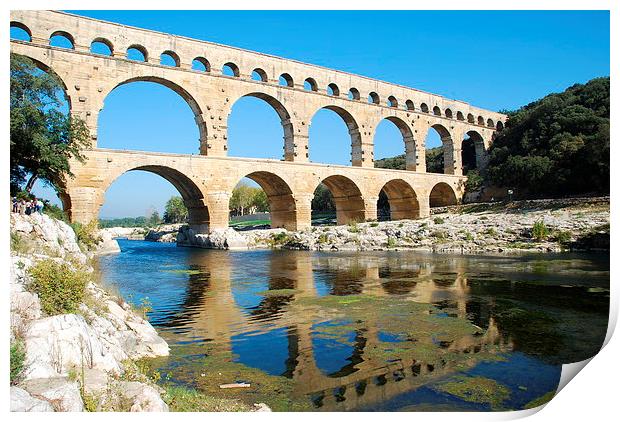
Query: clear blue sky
{"type": "Point", "coordinates": [495, 60]}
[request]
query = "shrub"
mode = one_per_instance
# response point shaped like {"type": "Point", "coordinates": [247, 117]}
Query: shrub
{"type": "Point", "coordinates": [279, 239]}
{"type": "Point", "coordinates": [374, 224]}
{"type": "Point", "coordinates": [18, 244]}
{"type": "Point", "coordinates": [563, 236]}
{"type": "Point", "coordinates": [60, 288]}
{"type": "Point", "coordinates": [323, 238]}
{"type": "Point", "coordinates": [469, 236]}
{"type": "Point", "coordinates": [491, 231]}
{"type": "Point", "coordinates": [391, 242]}
{"type": "Point", "coordinates": [540, 231]}
{"type": "Point", "coordinates": [87, 235]}
{"type": "Point", "coordinates": [353, 227]}
{"type": "Point", "coordinates": [474, 181]}
{"type": "Point", "coordinates": [439, 234]}
{"type": "Point", "coordinates": [56, 212]}
{"type": "Point", "coordinates": [18, 355]}
{"type": "Point", "coordinates": [438, 220]}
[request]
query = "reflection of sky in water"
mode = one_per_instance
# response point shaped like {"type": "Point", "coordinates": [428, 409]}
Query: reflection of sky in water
{"type": "Point", "coordinates": [250, 349]}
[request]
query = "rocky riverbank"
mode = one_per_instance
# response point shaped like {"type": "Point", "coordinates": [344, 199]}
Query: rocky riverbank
{"type": "Point", "coordinates": [521, 226]}
{"type": "Point", "coordinates": [80, 360]}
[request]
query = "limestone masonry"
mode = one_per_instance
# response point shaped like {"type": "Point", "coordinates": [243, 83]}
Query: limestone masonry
{"type": "Point", "coordinates": [295, 90]}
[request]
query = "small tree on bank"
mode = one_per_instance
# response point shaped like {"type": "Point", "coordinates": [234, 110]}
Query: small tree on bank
{"type": "Point", "coordinates": [175, 211]}
{"type": "Point", "coordinates": [43, 138]}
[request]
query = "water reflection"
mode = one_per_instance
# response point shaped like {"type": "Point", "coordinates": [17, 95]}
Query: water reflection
{"type": "Point", "coordinates": [355, 331]}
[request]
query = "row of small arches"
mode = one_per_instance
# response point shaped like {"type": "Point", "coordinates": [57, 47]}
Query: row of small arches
{"type": "Point", "coordinates": [137, 52]}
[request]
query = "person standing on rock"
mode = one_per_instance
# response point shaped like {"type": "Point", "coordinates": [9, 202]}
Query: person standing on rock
{"type": "Point", "coordinates": [39, 206]}
{"type": "Point", "coordinates": [15, 204]}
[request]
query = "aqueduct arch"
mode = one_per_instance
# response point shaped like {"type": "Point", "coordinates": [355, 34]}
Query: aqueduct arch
{"type": "Point", "coordinates": [442, 195]}
{"type": "Point", "coordinates": [89, 77]}
{"type": "Point", "coordinates": [282, 206]}
{"type": "Point", "coordinates": [402, 199]}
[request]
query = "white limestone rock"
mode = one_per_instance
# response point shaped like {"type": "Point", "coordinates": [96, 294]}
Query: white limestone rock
{"type": "Point", "coordinates": [63, 393]}
{"type": "Point", "coordinates": [144, 398]}
{"type": "Point", "coordinates": [22, 401]}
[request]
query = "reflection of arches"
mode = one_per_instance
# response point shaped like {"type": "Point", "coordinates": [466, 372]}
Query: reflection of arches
{"type": "Point", "coordinates": [282, 206]}
{"type": "Point", "coordinates": [198, 213]}
{"type": "Point", "coordinates": [402, 199]}
{"type": "Point", "coordinates": [352, 127]}
{"type": "Point", "coordinates": [187, 97]}
{"type": "Point", "coordinates": [15, 24]}
{"type": "Point", "coordinates": [442, 195]}
{"type": "Point", "coordinates": [348, 199]}
{"type": "Point", "coordinates": [283, 114]}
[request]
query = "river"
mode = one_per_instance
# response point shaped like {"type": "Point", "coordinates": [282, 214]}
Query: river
{"type": "Point", "coordinates": [370, 331]}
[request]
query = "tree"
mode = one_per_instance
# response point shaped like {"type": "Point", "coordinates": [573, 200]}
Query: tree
{"type": "Point", "coordinates": [175, 211]}
{"type": "Point", "coordinates": [260, 201]}
{"type": "Point", "coordinates": [43, 138]}
{"type": "Point", "coordinates": [154, 219]}
{"type": "Point", "coordinates": [241, 198]}
{"type": "Point", "coordinates": [323, 199]}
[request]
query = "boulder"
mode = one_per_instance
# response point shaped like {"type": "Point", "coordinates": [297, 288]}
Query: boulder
{"type": "Point", "coordinates": [22, 401]}
{"type": "Point", "coordinates": [143, 397]}
{"type": "Point", "coordinates": [108, 244]}
{"type": "Point", "coordinates": [64, 394]}
{"type": "Point", "coordinates": [58, 343]}
{"type": "Point", "coordinates": [218, 239]}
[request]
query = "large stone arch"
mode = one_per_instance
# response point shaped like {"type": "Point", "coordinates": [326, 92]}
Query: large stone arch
{"type": "Point", "coordinates": [193, 197]}
{"type": "Point", "coordinates": [45, 67]}
{"type": "Point", "coordinates": [188, 97]}
{"type": "Point", "coordinates": [480, 151]}
{"type": "Point", "coordinates": [448, 147]}
{"type": "Point", "coordinates": [350, 206]}
{"type": "Point", "coordinates": [408, 140]}
{"type": "Point", "coordinates": [442, 195]}
{"type": "Point", "coordinates": [282, 205]}
{"type": "Point", "coordinates": [402, 198]}
{"type": "Point", "coordinates": [352, 127]}
{"type": "Point", "coordinates": [283, 114]}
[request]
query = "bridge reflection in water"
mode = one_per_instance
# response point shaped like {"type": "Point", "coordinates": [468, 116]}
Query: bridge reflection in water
{"type": "Point", "coordinates": [339, 303]}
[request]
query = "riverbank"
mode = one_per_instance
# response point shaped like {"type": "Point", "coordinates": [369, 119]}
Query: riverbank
{"type": "Point", "coordinates": [520, 226]}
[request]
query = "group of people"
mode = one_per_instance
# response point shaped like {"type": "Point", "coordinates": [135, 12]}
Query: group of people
{"type": "Point", "coordinates": [27, 207]}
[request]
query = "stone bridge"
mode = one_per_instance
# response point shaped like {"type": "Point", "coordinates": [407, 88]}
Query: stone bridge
{"type": "Point", "coordinates": [211, 78]}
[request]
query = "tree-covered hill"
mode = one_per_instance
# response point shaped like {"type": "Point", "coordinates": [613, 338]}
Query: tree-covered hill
{"type": "Point", "coordinates": [558, 145]}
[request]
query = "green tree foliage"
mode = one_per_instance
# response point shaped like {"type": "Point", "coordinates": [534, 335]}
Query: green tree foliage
{"type": "Point", "coordinates": [247, 198]}
{"type": "Point", "coordinates": [43, 137]}
{"type": "Point", "coordinates": [59, 287]}
{"type": "Point", "coordinates": [154, 219]}
{"type": "Point", "coordinates": [123, 222]}
{"type": "Point", "coordinates": [434, 161]}
{"type": "Point", "coordinates": [557, 145]}
{"type": "Point", "coordinates": [175, 211]}
{"type": "Point", "coordinates": [323, 199]}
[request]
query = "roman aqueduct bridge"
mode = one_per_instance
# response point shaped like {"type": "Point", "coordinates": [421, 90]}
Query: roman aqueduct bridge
{"type": "Point", "coordinates": [211, 78]}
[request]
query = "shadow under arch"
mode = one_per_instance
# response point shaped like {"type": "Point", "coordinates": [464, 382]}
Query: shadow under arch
{"type": "Point", "coordinates": [183, 93]}
{"type": "Point", "coordinates": [474, 144]}
{"type": "Point", "coordinates": [347, 197]}
{"type": "Point", "coordinates": [442, 195]}
{"type": "Point", "coordinates": [283, 114]}
{"type": "Point", "coordinates": [402, 199]}
{"type": "Point", "coordinates": [353, 129]}
{"type": "Point", "coordinates": [198, 212]}
{"type": "Point", "coordinates": [282, 206]}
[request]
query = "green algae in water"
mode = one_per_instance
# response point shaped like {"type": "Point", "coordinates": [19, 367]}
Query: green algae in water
{"type": "Point", "coordinates": [188, 272]}
{"type": "Point", "coordinates": [475, 390]}
{"type": "Point", "coordinates": [278, 292]}
{"type": "Point", "coordinates": [544, 399]}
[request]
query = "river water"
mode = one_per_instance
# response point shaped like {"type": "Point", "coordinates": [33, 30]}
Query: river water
{"type": "Point", "coordinates": [368, 331]}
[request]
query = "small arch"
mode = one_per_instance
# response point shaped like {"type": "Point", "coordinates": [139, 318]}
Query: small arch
{"type": "Point", "coordinates": [137, 53]}
{"type": "Point", "coordinates": [230, 69]}
{"type": "Point", "coordinates": [259, 75]}
{"type": "Point", "coordinates": [470, 118]}
{"type": "Point", "coordinates": [169, 58]}
{"type": "Point", "coordinates": [401, 200]}
{"type": "Point", "coordinates": [500, 125]}
{"type": "Point", "coordinates": [480, 120]}
{"type": "Point", "coordinates": [490, 123]}
{"type": "Point", "coordinates": [282, 206]}
{"type": "Point", "coordinates": [20, 32]}
{"type": "Point", "coordinates": [333, 90]}
{"type": "Point", "coordinates": [459, 116]}
{"type": "Point", "coordinates": [201, 64]}
{"type": "Point", "coordinates": [354, 94]}
{"type": "Point", "coordinates": [409, 105]}
{"type": "Point", "coordinates": [442, 195]}
{"type": "Point", "coordinates": [286, 80]}
{"type": "Point", "coordinates": [448, 113]}
{"type": "Point", "coordinates": [373, 98]}
{"type": "Point", "coordinates": [101, 46]}
{"type": "Point", "coordinates": [424, 108]}
{"type": "Point", "coordinates": [436, 111]}
{"type": "Point", "coordinates": [347, 197]}
{"type": "Point", "coordinates": [310, 85]}
{"type": "Point", "coordinates": [62, 39]}
{"type": "Point", "coordinates": [392, 101]}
